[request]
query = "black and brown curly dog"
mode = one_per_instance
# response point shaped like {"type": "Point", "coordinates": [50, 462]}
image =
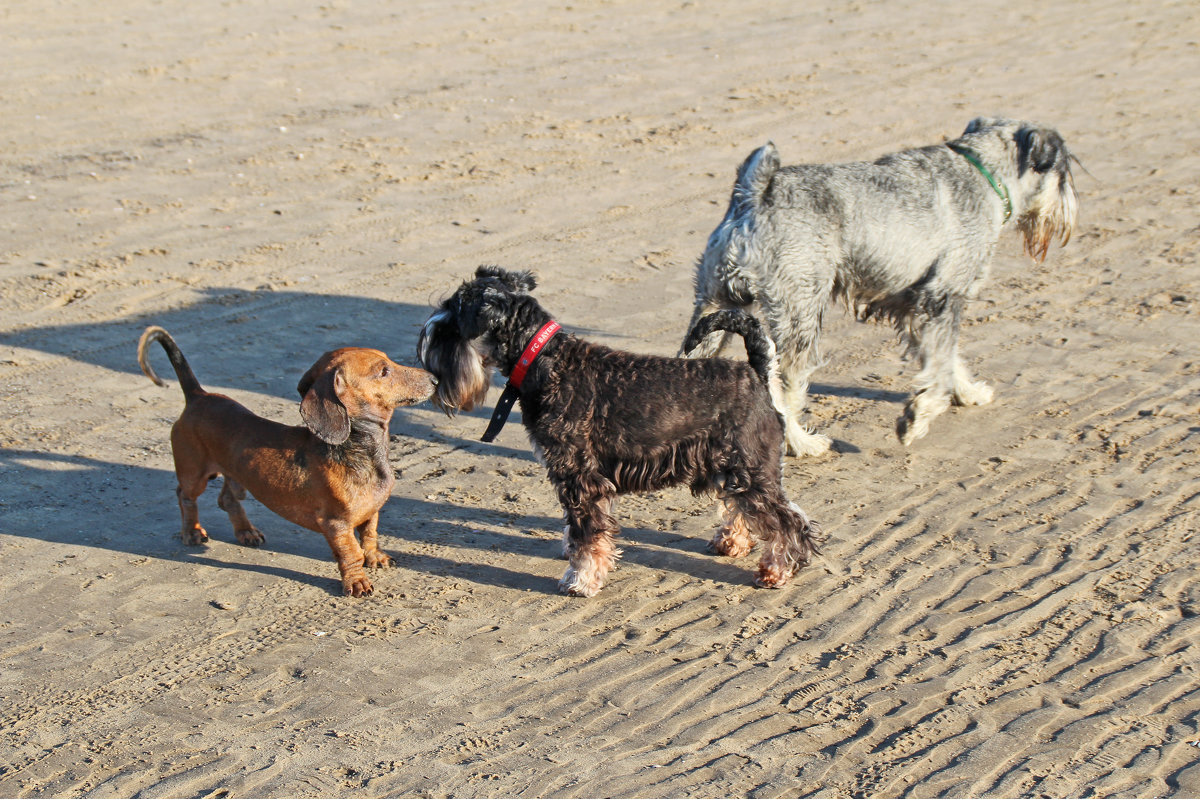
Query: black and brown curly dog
{"type": "Point", "coordinates": [606, 422]}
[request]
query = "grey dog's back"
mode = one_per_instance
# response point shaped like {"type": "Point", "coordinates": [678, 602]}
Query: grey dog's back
{"type": "Point", "coordinates": [879, 225]}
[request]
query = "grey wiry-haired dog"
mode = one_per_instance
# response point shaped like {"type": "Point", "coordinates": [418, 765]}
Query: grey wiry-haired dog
{"type": "Point", "coordinates": [606, 422]}
{"type": "Point", "coordinates": [908, 237]}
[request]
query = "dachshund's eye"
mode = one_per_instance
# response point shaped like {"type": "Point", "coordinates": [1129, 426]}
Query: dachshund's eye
{"type": "Point", "coordinates": [386, 371]}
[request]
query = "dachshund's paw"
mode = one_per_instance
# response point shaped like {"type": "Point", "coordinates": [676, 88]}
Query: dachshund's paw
{"type": "Point", "coordinates": [376, 559]}
{"type": "Point", "coordinates": [195, 536]}
{"type": "Point", "coordinates": [250, 538]}
{"type": "Point", "coordinates": [355, 583]}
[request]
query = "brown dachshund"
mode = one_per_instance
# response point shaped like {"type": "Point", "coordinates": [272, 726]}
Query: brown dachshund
{"type": "Point", "coordinates": [331, 476]}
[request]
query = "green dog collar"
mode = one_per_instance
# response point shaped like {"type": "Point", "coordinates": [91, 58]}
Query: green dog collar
{"type": "Point", "coordinates": [997, 186]}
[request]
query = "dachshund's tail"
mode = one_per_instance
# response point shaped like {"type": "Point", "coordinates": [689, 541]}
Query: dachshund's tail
{"type": "Point", "coordinates": [187, 379]}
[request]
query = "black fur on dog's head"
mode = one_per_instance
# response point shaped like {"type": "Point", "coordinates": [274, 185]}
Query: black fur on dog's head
{"type": "Point", "coordinates": [483, 326]}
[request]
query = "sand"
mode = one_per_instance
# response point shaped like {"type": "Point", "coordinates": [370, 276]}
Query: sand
{"type": "Point", "coordinates": [1008, 608]}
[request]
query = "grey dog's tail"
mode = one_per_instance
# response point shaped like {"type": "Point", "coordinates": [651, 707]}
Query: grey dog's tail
{"type": "Point", "coordinates": [760, 350]}
{"type": "Point", "coordinates": [187, 380]}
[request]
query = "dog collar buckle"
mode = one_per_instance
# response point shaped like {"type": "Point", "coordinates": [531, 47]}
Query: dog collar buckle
{"type": "Point", "coordinates": [504, 405]}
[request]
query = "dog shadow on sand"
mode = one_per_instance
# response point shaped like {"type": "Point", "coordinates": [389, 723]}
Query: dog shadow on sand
{"type": "Point", "coordinates": [253, 341]}
{"type": "Point", "coordinates": [132, 510]}
{"type": "Point", "coordinates": [259, 341]}
{"type": "Point", "coordinates": [246, 340]}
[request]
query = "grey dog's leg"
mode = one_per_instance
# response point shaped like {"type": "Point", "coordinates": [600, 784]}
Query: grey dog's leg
{"type": "Point", "coordinates": [936, 341]}
{"type": "Point", "coordinates": [966, 390]}
{"type": "Point", "coordinates": [794, 370]}
{"type": "Point", "coordinates": [796, 334]}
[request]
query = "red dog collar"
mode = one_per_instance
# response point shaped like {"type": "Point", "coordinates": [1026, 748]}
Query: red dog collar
{"type": "Point", "coordinates": [532, 350]}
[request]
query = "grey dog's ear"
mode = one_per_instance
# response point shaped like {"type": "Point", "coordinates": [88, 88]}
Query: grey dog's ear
{"type": "Point", "coordinates": [755, 174]}
{"type": "Point", "coordinates": [1040, 148]}
{"type": "Point", "coordinates": [521, 282]}
{"type": "Point", "coordinates": [322, 408]}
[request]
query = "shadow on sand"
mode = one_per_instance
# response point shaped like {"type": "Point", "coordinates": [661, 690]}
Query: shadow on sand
{"type": "Point", "coordinates": [132, 510]}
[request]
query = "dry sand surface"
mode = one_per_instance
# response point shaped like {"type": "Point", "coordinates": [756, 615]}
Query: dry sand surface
{"type": "Point", "coordinates": [1008, 608]}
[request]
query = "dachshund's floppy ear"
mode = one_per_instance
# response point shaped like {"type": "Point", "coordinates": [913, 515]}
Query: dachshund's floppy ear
{"type": "Point", "coordinates": [322, 409]}
{"type": "Point", "coordinates": [306, 382]}
{"type": "Point", "coordinates": [522, 282]}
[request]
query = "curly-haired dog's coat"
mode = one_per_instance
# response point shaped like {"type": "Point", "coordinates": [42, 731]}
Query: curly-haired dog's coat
{"type": "Point", "coordinates": [606, 422]}
{"type": "Point", "coordinates": [908, 237]}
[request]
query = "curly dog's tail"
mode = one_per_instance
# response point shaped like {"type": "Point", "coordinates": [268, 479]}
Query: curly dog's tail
{"type": "Point", "coordinates": [760, 350]}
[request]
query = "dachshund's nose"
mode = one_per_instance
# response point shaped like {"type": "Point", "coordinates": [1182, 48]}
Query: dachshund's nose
{"type": "Point", "coordinates": [433, 379]}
